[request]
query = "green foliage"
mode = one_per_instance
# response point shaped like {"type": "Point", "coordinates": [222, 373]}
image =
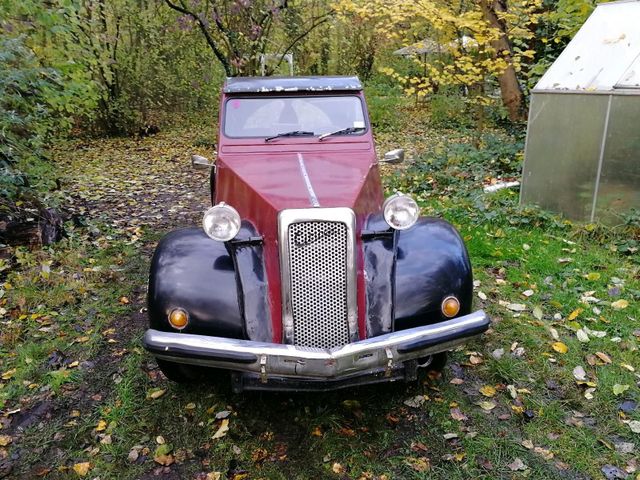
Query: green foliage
{"type": "Point", "coordinates": [449, 110]}
{"type": "Point", "coordinates": [26, 119]}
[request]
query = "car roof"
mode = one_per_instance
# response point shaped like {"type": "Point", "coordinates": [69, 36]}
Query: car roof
{"type": "Point", "coordinates": [291, 84]}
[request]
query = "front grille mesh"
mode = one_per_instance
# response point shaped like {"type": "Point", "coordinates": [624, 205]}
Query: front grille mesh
{"type": "Point", "coordinates": [318, 262]}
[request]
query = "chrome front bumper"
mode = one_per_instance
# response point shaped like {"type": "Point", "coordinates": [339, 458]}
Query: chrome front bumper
{"type": "Point", "coordinates": [385, 352]}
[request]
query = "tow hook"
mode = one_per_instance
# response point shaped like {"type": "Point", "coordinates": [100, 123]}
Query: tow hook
{"type": "Point", "coordinates": [389, 366]}
{"type": "Point", "coordinates": [263, 369]}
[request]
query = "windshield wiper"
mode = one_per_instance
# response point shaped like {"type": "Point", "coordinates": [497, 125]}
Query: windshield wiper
{"type": "Point", "coordinates": [342, 131]}
{"type": "Point", "coordinates": [295, 133]}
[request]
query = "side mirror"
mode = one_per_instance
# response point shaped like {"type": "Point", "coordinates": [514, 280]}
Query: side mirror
{"type": "Point", "coordinates": [200, 163]}
{"type": "Point", "coordinates": [394, 156]}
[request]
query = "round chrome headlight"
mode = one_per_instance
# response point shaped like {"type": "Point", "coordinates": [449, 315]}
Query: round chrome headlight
{"type": "Point", "coordinates": [221, 222]}
{"type": "Point", "coordinates": [400, 211]}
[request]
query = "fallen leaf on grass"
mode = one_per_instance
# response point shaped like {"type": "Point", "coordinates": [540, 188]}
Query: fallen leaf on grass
{"type": "Point", "coordinates": [259, 455]}
{"type": "Point", "coordinates": [497, 353]}
{"type": "Point", "coordinates": [516, 307]}
{"type": "Point", "coordinates": [579, 373]}
{"type": "Point", "coordinates": [582, 335]}
{"type": "Point", "coordinates": [573, 315]}
{"type": "Point", "coordinates": [82, 468]}
{"type": "Point", "coordinates": [337, 468]}
{"type": "Point", "coordinates": [634, 425]}
{"type": "Point", "coordinates": [537, 313]}
{"type": "Point", "coordinates": [517, 465]}
{"type": "Point", "coordinates": [604, 357]}
{"type": "Point", "coordinates": [619, 304]}
{"type": "Point", "coordinates": [415, 402]}
{"type": "Point", "coordinates": [488, 391]}
{"type": "Point", "coordinates": [102, 425]}
{"type": "Point", "coordinates": [9, 374]}
{"type": "Point", "coordinates": [419, 464]}
{"type": "Point", "coordinates": [222, 431]}
{"type": "Point", "coordinates": [155, 393]}
{"type": "Point", "coordinates": [475, 359]}
{"type": "Point", "coordinates": [619, 389]}
{"type": "Point", "coordinates": [546, 454]}
{"type": "Point", "coordinates": [456, 414]}
{"type": "Point", "coordinates": [163, 455]}
{"type": "Point", "coordinates": [560, 347]}
{"type": "Point", "coordinates": [611, 472]}
{"type": "Point", "coordinates": [487, 405]}
{"type": "Point", "coordinates": [5, 440]}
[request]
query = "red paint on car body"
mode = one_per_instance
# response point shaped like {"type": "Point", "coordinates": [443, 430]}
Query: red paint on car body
{"type": "Point", "coordinates": [259, 179]}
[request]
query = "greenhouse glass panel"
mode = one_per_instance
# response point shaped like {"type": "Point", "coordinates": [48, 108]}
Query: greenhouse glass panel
{"type": "Point", "coordinates": [619, 185]}
{"type": "Point", "coordinates": [563, 150]}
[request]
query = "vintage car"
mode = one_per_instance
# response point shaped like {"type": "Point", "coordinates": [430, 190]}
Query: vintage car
{"type": "Point", "coordinates": [302, 276]}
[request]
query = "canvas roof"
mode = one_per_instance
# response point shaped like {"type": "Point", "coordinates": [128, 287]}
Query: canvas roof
{"type": "Point", "coordinates": [603, 56]}
{"type": "Point", "coordinates": [290, 84]}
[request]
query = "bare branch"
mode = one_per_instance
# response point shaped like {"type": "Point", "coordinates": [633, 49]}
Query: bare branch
{"type": "Point", "coordinates": [210, 40]}
{"type": "Point", "coordinates": [315, 23]}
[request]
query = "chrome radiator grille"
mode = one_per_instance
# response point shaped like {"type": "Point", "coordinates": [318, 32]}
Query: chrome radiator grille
{"type": "Point", "coordinates": [318, 254]}
{"type": "Point", "coordinates": [319, 307]}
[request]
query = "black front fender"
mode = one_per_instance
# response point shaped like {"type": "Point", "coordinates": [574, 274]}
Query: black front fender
{"type": "Point", "coordinates": [193, 272]}
{"type": "Point", "coordinates": [410, 272]}
{"type": "Point", "coordinates": [432, 263]}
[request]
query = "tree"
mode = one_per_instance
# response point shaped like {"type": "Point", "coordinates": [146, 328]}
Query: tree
{"type": "Point", "coordinates": [240, 31]}
{"type": "Point", "coordinates": [465, 44]}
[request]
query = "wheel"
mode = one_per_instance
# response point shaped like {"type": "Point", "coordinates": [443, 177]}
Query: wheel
{"type": "Point", "coordinates": [183, 373]}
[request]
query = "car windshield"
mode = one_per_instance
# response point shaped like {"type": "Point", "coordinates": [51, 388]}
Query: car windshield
{"type": "Point", "coordinates": [270, 116]}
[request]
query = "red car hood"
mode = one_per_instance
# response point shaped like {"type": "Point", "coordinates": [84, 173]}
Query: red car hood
{"type": "Point", "coordinates": [258, 183]}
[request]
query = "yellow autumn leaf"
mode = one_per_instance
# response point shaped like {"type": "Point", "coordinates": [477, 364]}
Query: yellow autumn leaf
{"type": "Point", "coordinates": [102, 426]}
{"type": "Point", "coordinates": [82, 468]}
{"type": "Point", "coordinates": [5, 440]}
{"type": "Point", "coordinates": [560, 347]}
{"type": "Point", "coordinates": [488, 391]}
{"type": "Point", "coordinates": [155, 394]}
{"type": "Point", "coordinates": [620, 304]}
{"type": "Point", "coordinates": [487, 405]}
{"type": "Point", "coordinates": [8, 374]}
{"type": "Point", "coordinates": [573, 315]}
{"type": "Point", "coordinates": [222, 431]}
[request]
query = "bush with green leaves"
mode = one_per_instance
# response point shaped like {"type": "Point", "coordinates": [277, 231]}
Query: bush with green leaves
{"type": "Point", "coordinates": [26, 120]}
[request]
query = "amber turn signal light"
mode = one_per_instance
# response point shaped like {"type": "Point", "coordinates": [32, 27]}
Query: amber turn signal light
{"type": "Point", "coordinates": [450, 307]}
{"type": "Point", "coordinates": [178, 318]}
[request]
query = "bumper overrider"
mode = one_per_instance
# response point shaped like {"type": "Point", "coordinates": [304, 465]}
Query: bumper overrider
{"type": "Point", "coordinates": [383, 356]}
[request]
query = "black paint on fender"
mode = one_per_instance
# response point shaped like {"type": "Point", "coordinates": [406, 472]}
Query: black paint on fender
{"type": "Point", "coordinates": [191, 271]}
{"type": "Point", "coordinates": [248, 258]}
{"type": "Point", "coordinates": [431, 263]}
{"type": "Point", "coordinates": [410, 272]}
{"type": "Point", "coordinates": [379, 244]}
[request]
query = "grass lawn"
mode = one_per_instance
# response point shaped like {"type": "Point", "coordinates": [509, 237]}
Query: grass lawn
{"type": "Point", "coordinates": [551, 391]}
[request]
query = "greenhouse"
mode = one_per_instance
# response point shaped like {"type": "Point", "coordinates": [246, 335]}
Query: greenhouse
{"type": "Point", "coordinates": [582, 157]}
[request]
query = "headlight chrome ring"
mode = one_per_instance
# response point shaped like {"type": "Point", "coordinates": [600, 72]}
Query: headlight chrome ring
{"type": "Point", "coordinates": [221, 222]}
{"type": "Point", "coordinates": [400, 211]}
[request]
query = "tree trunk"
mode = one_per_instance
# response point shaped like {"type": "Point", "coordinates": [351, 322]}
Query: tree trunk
{"type": "Point", "coordinates": [510, 90]}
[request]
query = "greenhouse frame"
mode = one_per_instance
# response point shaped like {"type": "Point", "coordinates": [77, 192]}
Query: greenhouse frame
{"type": "Point", "coordinates": [582, 155]}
